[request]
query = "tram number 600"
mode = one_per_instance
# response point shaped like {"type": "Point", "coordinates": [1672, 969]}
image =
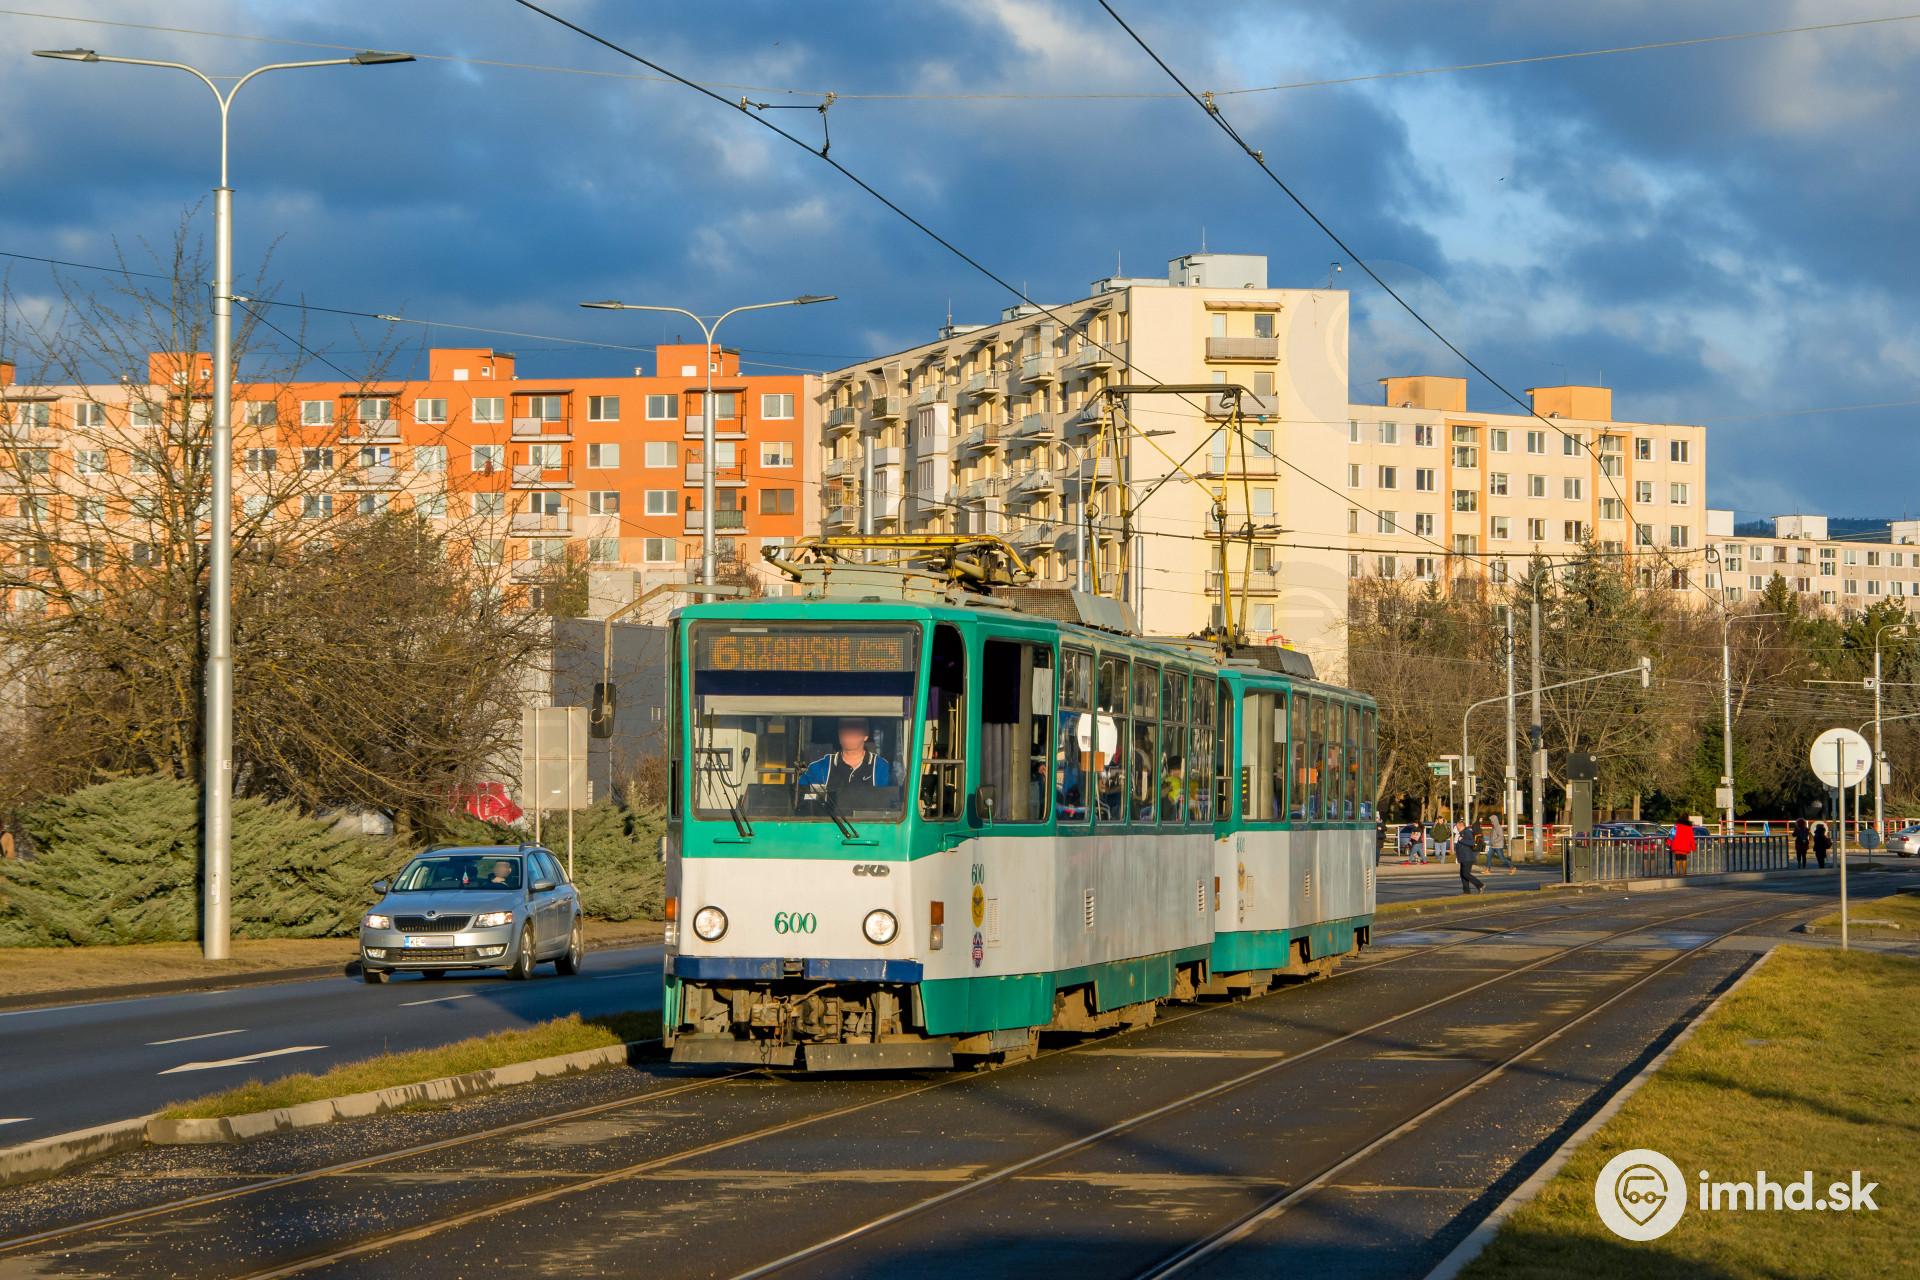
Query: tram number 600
{"type": "Point", "coordinates": [794, 922]}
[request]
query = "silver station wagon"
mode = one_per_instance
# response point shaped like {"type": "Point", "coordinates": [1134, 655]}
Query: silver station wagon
{"type": "Point", "coordinates": [488, 907]}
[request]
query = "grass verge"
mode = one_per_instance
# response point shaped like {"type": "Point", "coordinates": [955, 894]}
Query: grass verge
{"type": "Point", "coordinates": [570, 1034]}
{"type": "Point", "coordinates": [1813, 1064]}
{"type": "Point", "coordinates": [32, 971]}
{"type": "Point", "coordinates": [1902, 909]}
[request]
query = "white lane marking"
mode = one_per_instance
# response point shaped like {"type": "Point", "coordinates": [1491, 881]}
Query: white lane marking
{"type": "Point", "coordinates": [436, 1000]}
{"type": "Point", "coordinates": [209, 1035]}
{"type": "Point", "coordinates": [243, 1061]}
{"type": "Point", "coordinates": [14, 1119]}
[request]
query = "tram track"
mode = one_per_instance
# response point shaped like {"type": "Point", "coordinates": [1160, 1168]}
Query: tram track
{"type": "Point", "coordinates": [824, 1249]}
{"type": "Point", "coordinates": [1533, 913]}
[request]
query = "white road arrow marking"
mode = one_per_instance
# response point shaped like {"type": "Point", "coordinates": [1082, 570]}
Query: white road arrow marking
{"type": "Point", "coordinates": [242, 1061]}
{"type": "Point", "coordinates": [14, 1119]}
{"type": "Point", "coordinates": [206, 1035]}
{"type": "Point", "coordinates": [437, 1000]}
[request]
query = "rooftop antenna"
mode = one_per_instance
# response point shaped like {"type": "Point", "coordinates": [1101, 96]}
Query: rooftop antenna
{"type": "Point", "coordinates": [1117, 269]}
{"type": "Point", "coordinates": [949, 313]}
{"type": "Point", "coordinates": [1203, 238]}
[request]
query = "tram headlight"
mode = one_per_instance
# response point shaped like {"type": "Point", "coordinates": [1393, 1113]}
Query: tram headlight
{"type": "Point", "coordinates": [709, 923]}
{"type": "Point", "coordinates": [880, 927]}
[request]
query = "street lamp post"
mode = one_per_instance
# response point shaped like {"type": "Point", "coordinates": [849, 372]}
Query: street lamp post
{"type": "Point", "coordinates": [1642, 668]}
{"type": "Point", "coordinates": [1879, 814]}
{"type": "Point", "coordinates": [1727, 619]}
{"type": "Point", "coordinates": [709, 327]}
{"type": "Point", "coordinates": [217, 748]}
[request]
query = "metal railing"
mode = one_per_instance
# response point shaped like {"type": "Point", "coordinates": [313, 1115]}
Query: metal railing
{"type": "Point", "coordinates": [1640, 858]}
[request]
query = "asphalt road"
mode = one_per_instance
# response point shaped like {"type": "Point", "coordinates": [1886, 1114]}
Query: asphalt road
{"type": "Point", "coordinates": [1406, 884]}
{"type": "Point", "coordinates": [75, 1066]}
{"type": "Point", "coordinates": [1337, 1127]}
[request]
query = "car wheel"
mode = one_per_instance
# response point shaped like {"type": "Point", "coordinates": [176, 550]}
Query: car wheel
{"type": "Point", "coordinates": [523, 958]}
{"type": "Point", "coordinates": [373, 977]}
{"type": "Point", "coordinates": [576, 954]}
{"type": "Point", "coordinates": [433, 974]}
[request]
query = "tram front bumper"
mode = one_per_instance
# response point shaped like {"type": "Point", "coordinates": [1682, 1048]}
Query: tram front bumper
{"type": "Point", "coordinates": [895, 1055]}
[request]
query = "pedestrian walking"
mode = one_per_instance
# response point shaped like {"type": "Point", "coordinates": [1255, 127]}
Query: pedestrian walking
{"type": "Point", "coordinates": [1822, 844]}
{"type": "Point", "coordinates": [1463, 854]}
{"type": "Point", "coordinates": [1680, 845]}
{"type": "Point", "coordinates": [1496, 843]}
{"type": "Point", "coordinates": [1802, 839]}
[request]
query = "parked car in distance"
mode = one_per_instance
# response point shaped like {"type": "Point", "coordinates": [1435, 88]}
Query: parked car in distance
{"type": "Point", "coordinates": [485, 907]}
{"type": "Point", "coordinates": [1905, 842]}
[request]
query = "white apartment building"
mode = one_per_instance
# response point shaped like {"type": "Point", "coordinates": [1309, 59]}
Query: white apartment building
{"type": "Point", "coordinates": [1002, 428]}
{"type": "Point", "coordinates": [1843, 575]}
{"type": "Point", "coordinates": [1440, 493]}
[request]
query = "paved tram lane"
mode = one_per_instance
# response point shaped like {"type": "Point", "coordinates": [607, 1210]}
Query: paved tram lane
{"type": "Point", "coordinates": [74, 1066]}
{"type": "Point", "coordinates": [1105, 1157]}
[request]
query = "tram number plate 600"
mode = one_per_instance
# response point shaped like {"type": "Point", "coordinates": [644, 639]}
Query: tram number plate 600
{"type": "Point", "coordinates": [794, 922]}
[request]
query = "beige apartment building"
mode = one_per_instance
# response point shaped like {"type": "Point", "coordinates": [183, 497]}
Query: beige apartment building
{"type": "Point", "coordinates": [1008, 428]}
{"type": "Point", "coordinates": [1844, 575]}
{"type": "Point", "coordinates": [1440, 493]}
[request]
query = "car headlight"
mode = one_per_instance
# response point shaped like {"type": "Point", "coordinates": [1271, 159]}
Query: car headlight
{"type": "Point", "coordinates": [375, 921]}
{"type": "Point", "coordinates": [709, 923]}
{"type": "Point", "coordinates": [880, 927]}
{"type": "Point", "coordinates": [493, 919]}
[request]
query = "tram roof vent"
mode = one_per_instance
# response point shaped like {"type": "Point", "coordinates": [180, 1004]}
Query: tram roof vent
{"type": "Point", "coordinates": [1064, 604]}
{"type": "Point", "coordinates": [1271, 657]}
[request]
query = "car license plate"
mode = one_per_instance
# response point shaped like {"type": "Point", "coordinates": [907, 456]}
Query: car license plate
{"type": "Point", "coordinates": [412, 941]}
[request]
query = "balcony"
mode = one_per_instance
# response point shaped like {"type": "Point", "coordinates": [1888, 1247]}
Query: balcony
{"type": "Point", "coordinates": [1261, 350]}
{"type": "Point", "coordinates": [886, 505]}
{"type": "Point", "coordinates": [1096, 470]}
{"type": "Point", "coordinates": [890, 457]}
{"type": "Point", "coordinates": [930, 394]}
{"type": "Point", "coordinates": [1032, 485]}
{"type": "Point", "coordinates": [982, 489]}
{"type": "Point", "coordinates": [1037, 428]}
{"type": "Point", "coordinates": [984, 437]}
{"type": "Point", "coordinates": [843, 517]}
{"type": "Point", "coordinates": [1035, 534]}
{"type": "Point", "coordinates": [726, 476]}
{"type": "Point", "coordinates": [535, 568]}
{"type": "Point", "coordinates": [376, 431]}
{"type": "Point", "coordinates": [843, 418]}
{"type": "Point", "coordinates": [377, 476]}
{"type": "Point", "coordinates": [1253, 582]}
{"type": "Point", "coordinates": [1084, 419]}
{"type": "Point", "coordinates": [723, 429]}
{"type": "Point", "coordinates": [835, 469]}
{"type": "Point", "coordinates": [983, 386]}
{"type": "Point", "coordinates": [533, 475]}
{"type": "Point", "coordinates": [1252, 405]}
{"type": "Point", "coordinates": [540, 522]}
{"type": "Point", "coordinates": [540, 429]}
{"type": "Point", "coordinates": [1040, 368]}
{"type": "Point", "coordinates": [1258, 462]}
{"type": "Point", "coordinates": [725, 519]}
{"type": "Point", "coordinates": [1090, 358]}
{"type": "Point", "coordinates": [890, 408]}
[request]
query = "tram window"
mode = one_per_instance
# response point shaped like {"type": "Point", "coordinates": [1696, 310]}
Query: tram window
{"type": "Point", "coordinates": [1075, 758]}
{"type": "Point", "coordinates": [1302, 770]}
{"type": "Point", "coordinates": [1016, 729]}
{"type": "Point", "coordinates": [943, 769]}
{"type": "Point", "coordinates": [1256, 756]}
{"type": "Point", "coordinates": [1369, 760]}
{"type": "Point", "coordinates": [1109, 740]}
{"type": "Point", "coordinates": [674, 717]}
{"type": "Point", "coordinates": [1316, 752]}
{"type": "Point", "coordinates": [1355, 801]}
{"type": "Point", "coordinates": [1201, 770]}
{"type": "Point", "coordinates": [1175, 796]}
{"type": "Point", "coordinates": [1278, 773]}
{"type": "Point", "coordinates": [1144, 801]}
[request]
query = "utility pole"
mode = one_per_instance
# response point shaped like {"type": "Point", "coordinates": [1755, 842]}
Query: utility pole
{"type": "Point", "coordinates": [1513, 772]}
{"type": "Point", "coordinates": [1536, 736]}
{"type": "Point", "coordinates": [1726, 718]}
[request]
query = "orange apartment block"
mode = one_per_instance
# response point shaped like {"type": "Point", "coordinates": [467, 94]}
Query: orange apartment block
{"type": "Point", "coordinates": [527, 470]}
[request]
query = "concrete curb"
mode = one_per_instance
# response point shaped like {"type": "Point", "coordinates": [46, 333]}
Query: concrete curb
{"type": "Point", "coordinates": [45, 1157]}
{"type": "Point", "coordinates": [1481, 1236]}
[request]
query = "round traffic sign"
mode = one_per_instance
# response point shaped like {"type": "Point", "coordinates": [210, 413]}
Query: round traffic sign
{"type": "Point", "coordinates": [1840, 758]}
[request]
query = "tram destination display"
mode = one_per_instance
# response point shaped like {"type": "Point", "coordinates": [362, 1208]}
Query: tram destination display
{"type": "Point", "coordinates": [807, 651]}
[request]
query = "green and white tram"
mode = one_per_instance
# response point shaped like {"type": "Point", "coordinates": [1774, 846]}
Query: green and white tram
{"type": "Point", "coordinates": [913, 823]}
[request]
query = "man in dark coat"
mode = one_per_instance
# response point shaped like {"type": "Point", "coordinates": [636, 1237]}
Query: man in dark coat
{"type": "Point", "coordinates": [1802, 840]}
{"type": "Point", "coordinates": [1822, 844]}
{"type": "Point", "coordinates": [1464, 854]}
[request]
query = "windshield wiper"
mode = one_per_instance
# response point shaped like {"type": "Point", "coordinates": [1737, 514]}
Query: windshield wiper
{"type": "Point", "coordinates": [833, 811]}
{"type": "Point", "coordinates": [739, 818]}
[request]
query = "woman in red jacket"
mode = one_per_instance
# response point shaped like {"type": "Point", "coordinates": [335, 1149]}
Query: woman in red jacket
{"type": "Point", "coordinates": [1680, 844]}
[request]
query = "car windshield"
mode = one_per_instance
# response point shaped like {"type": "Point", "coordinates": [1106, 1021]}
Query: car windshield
{"type": "Point", "coordinates": [443, 871]}
{"type": "Point", "coordinates": [801, 721]}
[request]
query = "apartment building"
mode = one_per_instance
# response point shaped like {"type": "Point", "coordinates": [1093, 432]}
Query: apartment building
{"type": "Point", "coordinates": [1009, 428]}
{"type": "Point", "coordinates": [1439, 493]}
{"type": "Point", "coordinates": [529, 472]}
{"type": "Point", "coordinates": [1843, 575]}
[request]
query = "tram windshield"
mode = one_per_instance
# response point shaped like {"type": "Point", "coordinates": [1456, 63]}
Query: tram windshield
{"type": "Point", "coordinates": [801, 721]}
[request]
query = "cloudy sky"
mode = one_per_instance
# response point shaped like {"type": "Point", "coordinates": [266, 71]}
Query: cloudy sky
{"type": "Point", "coordinates": [1722, 232]}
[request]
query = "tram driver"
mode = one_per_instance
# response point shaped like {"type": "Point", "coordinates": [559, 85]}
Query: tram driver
{"type": "Point", "coordinates": [854, 763]}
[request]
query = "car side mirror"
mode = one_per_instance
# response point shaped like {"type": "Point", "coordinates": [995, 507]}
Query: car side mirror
{"type": "Point", "coordinates": [543, 886]}
{"type": "Point", "coordinates": [381, 887]}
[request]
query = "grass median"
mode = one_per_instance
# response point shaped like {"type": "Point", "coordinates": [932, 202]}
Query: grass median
{"type": "Point", "coordinates": [570, 1034]}
{"type": "Point", "coordinates": [1813, 1064]}
{"type": "Point", "coordinates": [1901, 910]}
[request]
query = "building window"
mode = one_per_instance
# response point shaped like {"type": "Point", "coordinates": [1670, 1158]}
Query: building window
{"type": "Point", "coordinates": [1425, 568]}
{"type": "Point", "coordinates": [663, 502]}
{"type": "Point", "coordinates": [1497, 483]}
{"type": "Point", "coordinates": [255, 413]}
{"type": "Point", "coordinates": [1466, 500]}
{"type": "Point", "coordinates": [1536, 442]}
{"type": "Point", "coordinates": [603, 408]}
{"type": "Point", "coordinates": [1643, 449]}
{"type": "Point", "coordinates": [1676, 451]}
{"type": "Point", "coordinates": [776, 453]}
{"type": "Point", "coordinates": [489, 409]}
{"type": "Point", "coordinates": [546, 408]}
{"type": "Point", "coordinates": [776, 406]}
{"type": "Point", "coordinates": [430, 457]}
{"type": "Point", "coordinates": [662, 408]}
{"type": "Point", "coordinates": [430, 411]}
{"type": "Point", "coordinates": [433, 506]}
{"type": "Point", "coordinates": [489, 458]}
{"type": "Point", "coordinates": [1536, 530]}
{"type": "Point", "coordinates": [489, 550]}
{"type": "Point", "coordinates": [489, 504]}
{"type": "Point", "coordinates": [603, 456]}
{"type": "Point", "coordinates": [1676, 535]}
{"type": "Point", "coordinates": [1612, 509]}
{"type": "Point", "coordinates": [1572, 488]}
{"type": "Point", "coordinates": [372, 504]}
{"type": "Point", "coordinates": [373, 411]}
{"type": "Point", "coordinates": [1497, 571]}
{"type": "Point", "coordinates": [1499, 529]}
{"type": "Point", "coordinates": [93, 462]}
{"type": "Point", "coordinates": [316, 459]}
{"type": "Point", "coordinates": [603, 502]}
{"type": "Point", "coordinates": [1389, 433]}
{"type": "Point", "coordinates": [1353, 475]}
{"type": "Point", "coordinates": [1571, 444]}
{"type": "Point", "coordinates": [1423, 436]}
{"type": "Point", "coordinates": [260, 462]}
{"type": "Point", "coordinates": [1389, 477]}
{"type": "Point", "coordinates": [1497, 439]}
{"type": "Point", "coordinates": [603, 550]}
{"type": "Point", "coordinates": [776, 502]}
{"type": "Point", "coordinates": [1423, 479]}
{"type": "Point", "coordinates": [1536, 486]}
{"type": "Point", "coordinates": [658, 550]}
{"type": "Point", "coordinates": [659, 453]}
{"type": "Point", "coordinates": [315, 413]}
{"type": "Point", "coordinates": [316, 506]}
{"type": "Point", "coordinates": [1423, 524]}
{"type": "Point", "coordinates": [1353, 431]}
{"type": "Point", "coordinates": [1262, 502]}
{"type": "Point", "coordinates": [1677, 494]}
{"type": "Point", "coordinates": [1389, 522]}
{"type": "Point", "coordinates": [1573, 531]}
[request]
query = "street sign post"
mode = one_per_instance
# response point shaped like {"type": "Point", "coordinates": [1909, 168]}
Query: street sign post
{"type": "Point", "coordinates": [1842, 759]}
{"type": "Point", "coordinates": [553, 765]}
